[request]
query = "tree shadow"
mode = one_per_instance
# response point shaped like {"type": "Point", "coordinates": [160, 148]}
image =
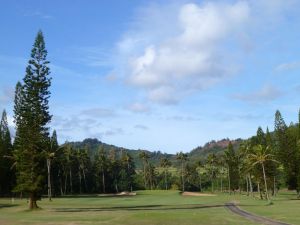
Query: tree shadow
{"type": "Point", "coordinates": [137, 208]}
{"type": "Point", "coordinates": [94, 196]}
{"type": "Point", "coordinates": [7, 205]}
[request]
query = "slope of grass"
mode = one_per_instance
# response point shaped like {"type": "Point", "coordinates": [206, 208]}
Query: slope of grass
{"type": "Point", "coordinates": [285, 207]}
{"type": "Point", "coordinates": [147, 207]}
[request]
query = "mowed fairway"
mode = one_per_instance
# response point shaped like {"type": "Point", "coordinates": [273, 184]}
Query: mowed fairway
{"type": "Point", "coordinates": [147, 207]}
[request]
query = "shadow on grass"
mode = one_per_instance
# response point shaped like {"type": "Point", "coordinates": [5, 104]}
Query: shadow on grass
{"type": "Point", "coordinates": [7, 205]}
{"type": "Point", "coordinates": [91, 196]}
{"type": "Point", "coordinates": [134, 208]}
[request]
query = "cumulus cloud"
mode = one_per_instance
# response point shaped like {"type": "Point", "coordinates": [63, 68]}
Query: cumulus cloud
{"type": "Point", "coordinates": [113, 132]}
{"type": "Point", "coordinates": [98, 112]}
{"type": "Point", "coordinates": [265, 94]}
{"type": "Point", "coordinates": [287, 66]}
{"type": "Point", "coordinates": [138, 107]}
{"type": "Point", "coordinates": [7, 95]}
{"type": "Point", "coordinates": [184, 58]}
{"type": "Point", "coordinates": [141, 127]}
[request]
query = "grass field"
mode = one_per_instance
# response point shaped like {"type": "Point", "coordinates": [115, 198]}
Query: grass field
{"type": "Point", "coordinates": [147, 207]}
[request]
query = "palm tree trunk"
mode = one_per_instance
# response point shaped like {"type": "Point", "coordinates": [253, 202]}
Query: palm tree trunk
{"type": "Point", "coordinates": [60, 182]}
{"type": "Point", "coordinates": [229, 187]}
{"type": "Point", "coordinates": [221, 184]}
{"type": "Point", "coordinates": [265, 180]}
{"type": "Point", "coordinates": [103, 181]}
{"type": "Point", "coordinates": [247, 185]}
{"type": "Point", "coordinates": [49, 178]}
{"type": "Point", "coordinates": [200, 182]}
{"type": "Point", "coordinates": [84, 178]}
{"type": "Point", "coordinates": [258, 187]}
{"type": "Point", "coordinates": [79, 181]}
{"type": "Point", "coordinates": [145, 182]}
{"type": "Point", "coordinates": [182, 177]}
{"type": "Point", "coordinates": [71, 183]}
{"type": "Point", "coordinates": [250, 184]}
{"type": "Point", "coordinates": [66, 179]}
{"type": "Point", "coordinates": [274, 186]}
{"type": "Point", "coordinates": [166, 179]}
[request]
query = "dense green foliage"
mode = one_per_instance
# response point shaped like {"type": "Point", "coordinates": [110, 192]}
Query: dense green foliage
{"type": "Point", "coordinates": [31, 118]}
{"type": "Point", "coordinates": [6, 174]}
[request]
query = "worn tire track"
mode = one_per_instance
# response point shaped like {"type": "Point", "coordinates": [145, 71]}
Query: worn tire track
{"type": "Point", "coordinates": [259, 219]}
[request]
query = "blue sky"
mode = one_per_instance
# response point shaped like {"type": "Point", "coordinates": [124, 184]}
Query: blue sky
{"type": "Point", "coordinates": [158, 75]}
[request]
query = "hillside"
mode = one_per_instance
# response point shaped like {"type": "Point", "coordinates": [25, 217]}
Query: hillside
{"type": "Point", "coordinates": [213, 146]}
{"type": "Point", "coordinates": [199, 153]}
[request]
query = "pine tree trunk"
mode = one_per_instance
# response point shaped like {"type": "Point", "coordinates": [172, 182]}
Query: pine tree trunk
{"type": "Point", "coordinates": [49, 179]}
{"type": "Point", "coordinates": [32, 201]}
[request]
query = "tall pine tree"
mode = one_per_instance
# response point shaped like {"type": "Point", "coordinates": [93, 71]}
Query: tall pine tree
{"type": "Point", "coordinates": [32, 117]}
{"type": "Point", "coordinates": [6, 175]}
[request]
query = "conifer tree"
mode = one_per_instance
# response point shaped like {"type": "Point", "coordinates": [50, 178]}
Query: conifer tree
{"type": "Point", "coordinates": [6, 176]}
{"type": "Point", "coordinates": [32, 117]}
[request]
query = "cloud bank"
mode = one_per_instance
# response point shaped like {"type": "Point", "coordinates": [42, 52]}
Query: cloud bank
{"type": "Point", "coordinates": [170, 63]}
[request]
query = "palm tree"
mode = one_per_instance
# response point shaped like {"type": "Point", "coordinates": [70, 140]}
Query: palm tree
{"type": "Point", "coordinates": [261, 156]}
{"type": "Point", "coordinates": [182, 157]}
{"type": "Point", "coordinates": [101, 163]}
{"type": "Point", "coordinates": [199, 166]}
{"type": "Point", "coordinates": [144, 156]}
{"type": "Point", "coordinates": [69, 157]}
{"type": "Point", "coordinates": [82, 158]}
{"type": "Point", "coordinates": [212, 162]}
{"type": "Point", "coordinates": [165, 163]}
{"type": "Point", "coordinates": [50, 154]}
{"type": "Point", "coordinates": [246, 164]}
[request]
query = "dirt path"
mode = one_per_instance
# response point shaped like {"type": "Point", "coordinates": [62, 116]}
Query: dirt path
{"type": "Point", "coordinates": [259, 219]}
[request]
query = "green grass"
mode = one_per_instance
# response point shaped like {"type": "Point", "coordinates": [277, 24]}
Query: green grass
{"type": "Point", "coordinates": [285, 207]}
{"type": "Point", "coordinates": [147, 207]}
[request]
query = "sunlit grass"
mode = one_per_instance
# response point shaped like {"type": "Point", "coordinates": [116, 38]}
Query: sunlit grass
{"type": "Point", "coordinates": [147, 207]}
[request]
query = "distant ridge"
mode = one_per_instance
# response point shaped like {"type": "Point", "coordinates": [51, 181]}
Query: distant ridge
{"type": "Point", "coordinates": [199, 153]}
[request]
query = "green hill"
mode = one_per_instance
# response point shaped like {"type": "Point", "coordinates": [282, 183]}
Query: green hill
{"type": "Point", "coordinates": [199, 153]}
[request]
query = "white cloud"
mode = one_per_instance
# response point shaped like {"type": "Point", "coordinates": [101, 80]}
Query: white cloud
{"type": "Point", "coordinates": [98, 112]}
{"type": "Point", "coordinates": [185, 58]}
{"type": "Point", "coordinates": [138, 108]}
{"type": "Point", "coordinates": [141, 127]}
{"type": "Point", "coordinates": [287, 66]}
{"type": "Point", "coordinates": [7, 95]}
{"type": "Point", "coordinates": [265, 94]}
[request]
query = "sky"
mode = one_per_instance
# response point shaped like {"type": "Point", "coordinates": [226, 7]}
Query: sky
{"type": "Point", "coordinates": [158, 75]}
